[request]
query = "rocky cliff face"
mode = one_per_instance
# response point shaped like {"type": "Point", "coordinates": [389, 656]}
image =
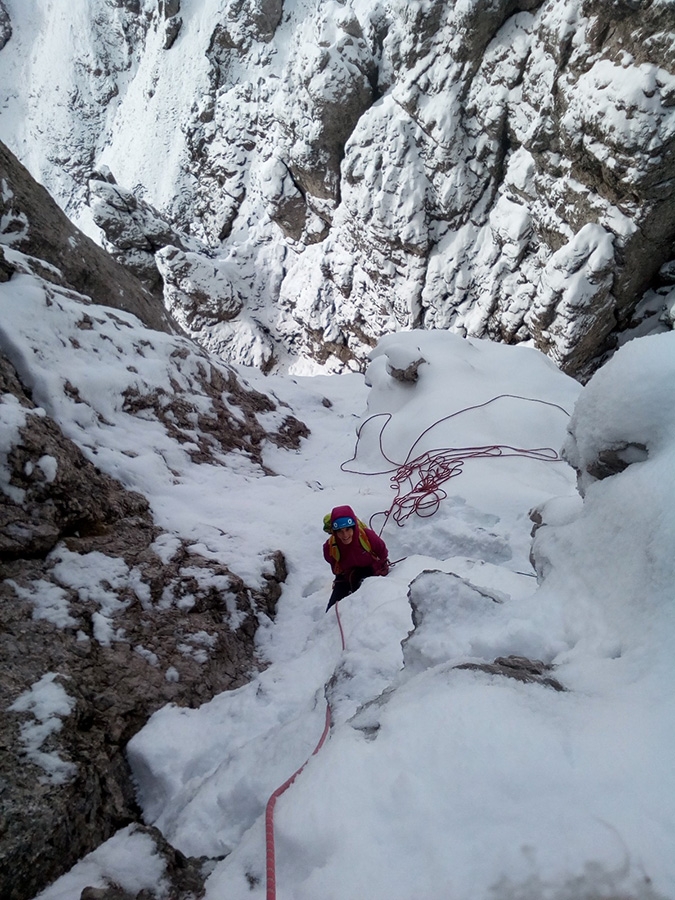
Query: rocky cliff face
{"type": "Point", "coordinates": [106, 610]}
{"type": "Point", "coordinates": [502, 168]}
{"type": "Point", "coordinates": [499, 168]}
{"type": "Point", "coordinates": [106, 615]}
{"type": "Point", "coordinates": [50, 245]}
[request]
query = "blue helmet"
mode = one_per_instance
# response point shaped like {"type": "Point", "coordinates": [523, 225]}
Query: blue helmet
{"type": "Point", "coordinates": [343, 522]}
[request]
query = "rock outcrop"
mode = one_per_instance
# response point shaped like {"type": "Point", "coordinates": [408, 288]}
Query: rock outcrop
{"type": "Point", "coordinates": [524, 202]}
{"type": "Point", "coordinates": [163, 625]}
{"type": "Point", "coordinates": [32, 223]}
{"type": "Point", "coordinates": [5, 25]}
{"type": "Point", "coordinates": [501, 169]}
{"type": "Point", "coordinates": [133, 230]}
{"type": "Point", "coordinates": [529, 671]}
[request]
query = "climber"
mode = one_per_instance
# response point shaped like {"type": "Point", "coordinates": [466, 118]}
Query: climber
{"type": "Point", "coordinates": [353, 551]}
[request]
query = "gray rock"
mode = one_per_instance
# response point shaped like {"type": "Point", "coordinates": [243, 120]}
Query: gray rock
{"type": "Point", "coordinates": [134, 231]}
{"type": "Point", "coordinates": [244, 22]}
{"type": "Point", "coordinates": [6, 268]}
{"type": "Point", "coordinates": [613, 460]}
{"type": "Point", "coordinates": [132, 6]}
{"type": "Point", "coordinates": [408, 375]}
{"type": "Point", "coordinates": [171, 31]}
{"type": "Point", "coordinates": [168, 8]}
{"type": "Point", "coordinates": [197, 290]}
{"type": "Point", "coordinates": [34, 224]}
{"type": "Point", "coordinates": [5, 25]}
{"type": "Point", "coordinates": [184, 877]}
{"type": "Point", "coordinates": [317, 125]}
{"type": "Point", "coordinates": [529, 671]}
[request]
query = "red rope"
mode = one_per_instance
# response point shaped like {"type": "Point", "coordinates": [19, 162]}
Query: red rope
{"type": "Point", "coordinates": [424, 475]}
{"type": "Point", "coordinates": [339, 621]}
{"type": "Point", "coordinates": [270, 854]}
{"type": "Point", "coordinates": [269, 814]}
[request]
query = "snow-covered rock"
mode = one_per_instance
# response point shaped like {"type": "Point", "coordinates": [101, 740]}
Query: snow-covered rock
{"type": "Point", "coordinates": [108, 613]}
{"type": "Point", "coordinates": [197, 291]}
{"type": "Point", "coordinates": [499, 168]}
{"type": "Point", "coordinates": [133, 230]}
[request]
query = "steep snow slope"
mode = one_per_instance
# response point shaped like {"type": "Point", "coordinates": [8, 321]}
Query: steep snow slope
{"type": "Point", "coordinates": [106, 614]}
{"type": "Point", "coordinates": [456, 764]}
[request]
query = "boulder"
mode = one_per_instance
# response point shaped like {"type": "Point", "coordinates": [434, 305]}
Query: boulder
{"type": "Point", "coordinates": [133, 230]}
{"type": "Point", "coordinates": [197, 290]}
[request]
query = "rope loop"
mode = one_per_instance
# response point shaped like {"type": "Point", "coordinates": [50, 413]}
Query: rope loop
{"type": "Point", "coordinates": [417, 481]}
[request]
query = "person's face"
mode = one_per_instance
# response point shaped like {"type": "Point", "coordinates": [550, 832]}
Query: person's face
{"type": "Point", "coordinates": [345, 535]}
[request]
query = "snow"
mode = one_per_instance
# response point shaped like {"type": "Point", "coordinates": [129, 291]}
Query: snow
{"type": "Point", "coordinates": [49, 602]}
{"type": "Point", "coordinates": [129, 859]}
{"type": "Point", "coordinates": [48, 703]}
{"type": "Point", "coordinates": [435, 781]}
{"type": "Point", "coordinates": [625, 102]}
{"type": "Point", "coordinates": [12, 419]}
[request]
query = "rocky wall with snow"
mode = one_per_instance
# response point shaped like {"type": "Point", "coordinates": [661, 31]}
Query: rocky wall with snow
{"type": "Point", "coordinates": [108, 610]}
{"type": "Point", "coordinates": [500, 168]}
{"type": "Point", "coordinates": [46, 243]}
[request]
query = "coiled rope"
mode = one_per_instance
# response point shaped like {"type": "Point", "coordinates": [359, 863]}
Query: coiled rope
{"type": "Point", "coordinates": [418, 480]}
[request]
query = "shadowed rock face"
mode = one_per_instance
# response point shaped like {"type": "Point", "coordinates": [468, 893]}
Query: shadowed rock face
{"type": "Point", "coordinates": [5, 26]}
{"type": "Point", "coordinates": [33, 224]}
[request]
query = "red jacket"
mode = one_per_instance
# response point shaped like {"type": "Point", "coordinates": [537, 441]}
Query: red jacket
{"type": "Point", "coordinates": [355, 555]}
